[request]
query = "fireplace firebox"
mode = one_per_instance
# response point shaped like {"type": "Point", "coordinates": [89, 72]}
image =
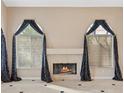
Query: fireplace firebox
{"type": "Point", "coordinates": [64, 68]}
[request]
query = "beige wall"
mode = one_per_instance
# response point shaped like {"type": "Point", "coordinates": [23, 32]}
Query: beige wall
{"type": "Point", "coordinates": [3, 17]}
{"type": "Point", "coordinates": [64, 27]}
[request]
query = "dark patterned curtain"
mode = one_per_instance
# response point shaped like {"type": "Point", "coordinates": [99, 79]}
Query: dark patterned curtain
{"type": "Point", "coordinates": [85, 71]}
{"type": "Point", "coordinates": [45, 74]}
{"type": "Point", "coordinates": [5, 77]}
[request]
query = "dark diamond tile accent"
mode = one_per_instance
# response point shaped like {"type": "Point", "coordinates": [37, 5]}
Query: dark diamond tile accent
{"type": "Point", "coordinates": [61, 91]}
{"type": "Point", "coordinates": [63, 80]}
{"type": "Point", "coordinates": [10, 85]}
{"type": "Point", "coordinates": [45, 85]}
{"type": "Point", "coordinates": [79, 85]}
{"type": "Point", "coordinates": [113, 84]}
{"type": "Point", "coordinates": [102, 91]}
{"type": "Point", "coordinates": [33, 80]}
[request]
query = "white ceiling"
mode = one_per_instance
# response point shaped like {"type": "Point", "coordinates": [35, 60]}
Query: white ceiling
{"type": "Point", "coordinates": [63, 3]}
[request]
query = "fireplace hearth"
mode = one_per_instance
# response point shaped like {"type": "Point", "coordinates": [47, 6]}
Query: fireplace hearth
{"type": "Point", "coordinates": [64, 68]}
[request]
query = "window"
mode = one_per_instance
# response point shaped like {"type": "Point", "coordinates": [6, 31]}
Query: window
{"type": "Point", "coordinates": [100, 48]}
{"type": "Point", "coordinates": [29, 45]}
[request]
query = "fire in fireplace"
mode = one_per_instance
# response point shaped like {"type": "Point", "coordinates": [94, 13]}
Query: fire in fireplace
{"type": "Point", "coordinates": [64, 68]}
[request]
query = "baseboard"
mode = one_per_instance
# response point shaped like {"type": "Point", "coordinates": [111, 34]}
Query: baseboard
{"type": "Point", "coordinates": [38, 78]}
{"type": "Point", "coordinates": [101, 77]}
{"type": "Point", "coordinates": [31, 78]}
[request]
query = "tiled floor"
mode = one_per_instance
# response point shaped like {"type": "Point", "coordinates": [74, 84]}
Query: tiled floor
{"type": "Point", "coordinates": [68, 86]}
{"type": "Point", "coordinates": [95, 86]}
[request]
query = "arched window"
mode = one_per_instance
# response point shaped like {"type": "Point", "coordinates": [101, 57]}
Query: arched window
{"type": "Point", "coordinates": [29, 58]}
{"type": "Point", "coordinates": [100, 49]}
{"type": "Point", "coordinates": [29, 45]}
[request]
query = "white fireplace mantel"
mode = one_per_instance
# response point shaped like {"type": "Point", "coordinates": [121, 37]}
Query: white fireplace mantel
{"type": "Point", "coordinates": [65, 56]}
{"type": "Point", "coordinates": [65, 51]}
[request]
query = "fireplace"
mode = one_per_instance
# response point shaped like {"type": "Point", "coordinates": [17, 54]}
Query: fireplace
{"type": "Point", "coordinates": [64, 68]}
